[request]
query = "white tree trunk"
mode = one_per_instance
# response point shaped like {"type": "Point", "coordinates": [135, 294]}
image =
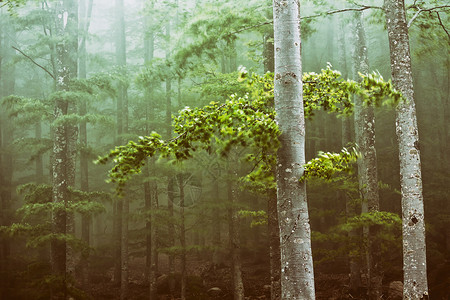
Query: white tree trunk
{"type": "Point", "coordinates": [367, 164]}
{"type": "Point", "coordinates": [415, 284]}
{"type": "Point", "coordinates": [297, 275]}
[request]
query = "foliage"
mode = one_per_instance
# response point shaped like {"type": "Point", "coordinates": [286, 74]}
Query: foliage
{"type": "Point", "coordinates": [35, 213]}
{"type": "Point", "coordinates": [249, 121]}
{"type": "Point", "coordinates": [258, 217]}
{"type": "Point", "coordinates": [326, 164]}
{"type": "Point", "coordinates": [387, 226]}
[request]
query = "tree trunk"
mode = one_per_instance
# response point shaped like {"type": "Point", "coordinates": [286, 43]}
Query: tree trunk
{"type": "Point", "coordinates": [39, 164]}
{"type": "Point", "coordinates": [274, 247]}
{"type": "Point", "coordinates": [234, 236]}
{"type": "Point", "coordinates": [84, 16]}
{"type": "Point", "coordinates": [272, 226]}
{"type": "Point", "coordinates": [63, 163]}
{"type": "Point", "coordinates": [415, 284]}
{"type": "Point", "coordinates": [7, 87]}
{"type": "Point", "coordinates": [124, 250]}
{"type": "Point", "coordinates": [297, 275]}
{"type": "Point", "coordinates": [117, 237]}
{"type": "Point", "coordinates": [121, 61]}
{"type": "Point", "coordinates": [154, 247]}
{"type": "Point", "coordinates": [170, 182]}
{"type": "Point", "coordinates": [216, 224]}
{"type": "Point", "coordinates": [150, 188]}
{"type": "Point", "coordinates": [182, 237]}
{"type": "Point", "coordinates": [367, 165]}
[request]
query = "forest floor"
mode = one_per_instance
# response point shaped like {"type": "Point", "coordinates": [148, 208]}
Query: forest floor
{"type": "Point", "coordinates": [207, 282]}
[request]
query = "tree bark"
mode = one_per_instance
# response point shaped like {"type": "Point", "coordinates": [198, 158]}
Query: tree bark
{"type": "Point", "coordinates": [216, 224]}
{"type": "Point", "coordinates": [63, 160]}
{"type": "Point", "coordinates": [7, 87]}
{"type": "Point", "coordinates": [297, 275]}
{"type": "Point", "coordinates": [150, 188]}
{"type": "Point", "coordinates": [182, 236]}
{"type": "Point", "coordinates": [274, 247]}
{"type": "Point", "coordinates": [367, 164]}
{"type": "Point", "coordinates": [415, 285]}
{"type": "Point", "coordinates": [84, 158]}
{"type": "Point", "coordinates": [121, 61]}
{"type": "Point", "coordinates": [234, 235]}
{"type": "Point", "coordinates": [170, 181]}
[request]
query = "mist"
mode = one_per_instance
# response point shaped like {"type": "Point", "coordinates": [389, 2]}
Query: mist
{"type": "Point", "coordinates": [140, 150]}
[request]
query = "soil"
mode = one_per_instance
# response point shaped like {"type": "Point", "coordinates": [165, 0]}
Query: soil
{"type": "Point", "coordinates": [206, 281]}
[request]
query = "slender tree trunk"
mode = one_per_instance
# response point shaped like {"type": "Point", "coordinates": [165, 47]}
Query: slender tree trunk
{"type": "Point", "coordinates": [272, 227]}
{"type": "Point", "coordinates": [7, 87]}
{"type": "Point", "coordinates": [150, 188]}
{"type": "Point", "coordinates": [350, 207]}
{"type": "Point", "coordinates": [297, 275]}
{"type": "Point", "coordinates": [63, 164]}
{"type": "Point", "coordinates": [415, 285]}
{"type": "Point", "coordinates": [124, 250]}
{"type": "Point", "coordinates": [117, 237]}
{"type": "Point", "coordinates": [216, 224]}
{"type": "Point", "coordinates": [121, 61]}
{"type": "Point", "coordinates": [367, 165]}
{"type": "Point", "coordinates": [39, 163]}
{"type": "Point", "coordinates": [154, 247]}
{"type": "Point", "coordinates": [182, 237]}
{"type": "Point", "coordinates": [84, 15]}
{"type": "Point", "coordinates": [170, 182]}
{"type": "Point", "coordinates": [268, 52]}
{"type": "Point", "coordinates": [274, 246]}
{"type": "Point", "coordinates": [235, 243]}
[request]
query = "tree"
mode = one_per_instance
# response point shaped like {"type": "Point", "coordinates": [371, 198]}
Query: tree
{"type": "Point", "coordinates": [7, 87]}
{"type": "Point", "coordinates": [415, 284]}
{"type": "Point", "coordinates": [84, 21]}
{"type": "Point", "coordinates": [65, 132]}
{"type": "Point", "coordinates": [367, 164]}
{"type": "Point", "coordinates": [297, 275]}
{"type": "Point", "coordinates": [122, 100]}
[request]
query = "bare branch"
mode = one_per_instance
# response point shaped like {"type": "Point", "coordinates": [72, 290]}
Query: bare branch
{"type": "Point", "coordinates": [426, 9]}
{"type": "Point", "coordinates": [414, 17]}
{"type": "Point", "coordinates": [437, 7]}
{"type": "Point", "coordinates": [331, 12]}
{"type": "Point", "coordinates": [32, 60]}
{"type": "Point", "coordinates": [442, 24]}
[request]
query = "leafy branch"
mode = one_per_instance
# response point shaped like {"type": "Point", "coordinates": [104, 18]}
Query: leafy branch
{"type": "Point", "coordinates": [249, 121]}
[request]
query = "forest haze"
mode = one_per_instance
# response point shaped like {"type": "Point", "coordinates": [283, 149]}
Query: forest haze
{"type": "Point", "coordinates": [198, 149]}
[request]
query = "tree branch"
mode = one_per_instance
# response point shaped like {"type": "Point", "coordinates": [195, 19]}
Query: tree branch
{"type": "Point", "coordinates": [251, 27]}
{"type": "Point", "coordinates": [331, 12]}
{"type": "Point", "coordinates": [414, 17]}
{"type": "Point", "coordinates": [47, 71]}
{"type": "Point", "coordinates": [426, 9]}
{"type": "Point", "coordinates": [442, 24]}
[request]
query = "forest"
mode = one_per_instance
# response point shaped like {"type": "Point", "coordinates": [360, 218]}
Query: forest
{"type": "Point", "coordinates": [199, 149]}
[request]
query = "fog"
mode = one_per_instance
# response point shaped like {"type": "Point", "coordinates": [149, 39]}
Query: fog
{"type": "Point", "coordinates": [194, 216]}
